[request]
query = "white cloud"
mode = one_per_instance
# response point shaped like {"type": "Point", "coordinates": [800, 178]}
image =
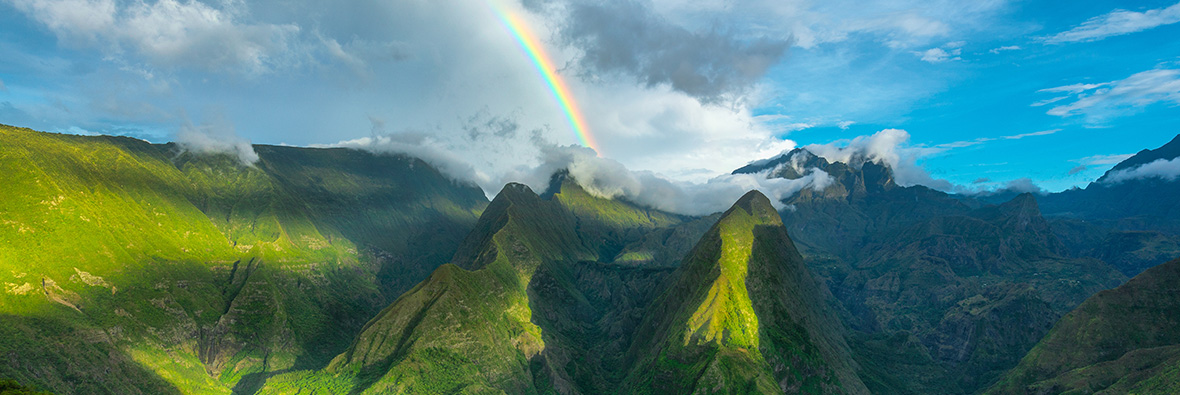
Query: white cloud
{"type": "Point", "coordinates": [1023, 185]}
{"type": "Point", "coordinates": [948, 52]}
{"type": "Point", "coordinates": [422, 146]}
{"type": "Point", "coordinates": [218, 137]}
{"type": "Point", "coordinates": [1100, 102]}
{"type": "Point", "coordinates": [1005, 48]}
{"type": "Point", "coordinates": [1164, 169]}
{"type": "Point", "coordinates": [981, 140]}
{"type": "Point", "coordinates": [1075, 88]}
{"type": "Point", "coordinates": [844, 124]}
{"type": "Point", "coordinates": [166, 33]}
{"type": "Point", "coordinates": [610, 179]}
{"type": "Point", "coordinates": [889, 147]}
{"type": "Point", "coordinates": [1116, 23]}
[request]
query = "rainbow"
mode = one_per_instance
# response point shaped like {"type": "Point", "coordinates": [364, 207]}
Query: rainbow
{"type": "Point", "coordinates": [532, 47]}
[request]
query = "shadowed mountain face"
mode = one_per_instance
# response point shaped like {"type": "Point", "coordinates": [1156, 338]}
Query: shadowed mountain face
{"type": "Point", "coordinates": [943, 293]}
{"type": "Point", "coordinates": [1123, 340]}
{"type": "Point", "coordinates": [129, 267]}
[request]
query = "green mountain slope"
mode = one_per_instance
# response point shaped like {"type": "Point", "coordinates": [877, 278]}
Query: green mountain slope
{"type": "Point", "coordinates": [129, 267]}
{"type": "Point", "coordinates": [743, 315]}
{"type": "Point", "coordinates": [532, 304]}
{"type": "Point", "coordinates": [1123, 340]}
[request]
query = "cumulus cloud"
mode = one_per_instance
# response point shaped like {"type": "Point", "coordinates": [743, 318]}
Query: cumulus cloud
{"type": "Point", "coordinates": [218, 137]}
{"type": "Point", "coordinates": [1022, 185]}
{"type": "Point", "coordinates": [423, 146]}
{"type": "Point", "coordinates": [627, 38]}
{"type": "Point", "coordinates": [1165, 169]}
{"type": "Point", "coordinates": [166, 33]}
{"type": "Point", "coordinates": [946, 53]}
{"type": "Point", "coordinates": [1117, 23]}
{"type": "Point", "coordinates": [1102, 101]}
{"type": "Point", "coordinates": [889, 147]}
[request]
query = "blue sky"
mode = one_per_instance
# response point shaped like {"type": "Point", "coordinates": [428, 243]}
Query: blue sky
{"type": "Point", "coordinates": [988, 92]}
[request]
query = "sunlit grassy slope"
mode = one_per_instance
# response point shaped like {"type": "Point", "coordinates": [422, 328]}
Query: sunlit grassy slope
{"type": "Point", "coordinates": [743, 315]}
{"type": "Point", "coordinates": [128, 267]}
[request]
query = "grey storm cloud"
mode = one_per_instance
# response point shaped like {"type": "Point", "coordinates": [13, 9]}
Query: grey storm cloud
{"type": "Point", "coordinates": [627, 38]}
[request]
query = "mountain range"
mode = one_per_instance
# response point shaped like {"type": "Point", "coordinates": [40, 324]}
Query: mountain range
{"type": "Point", "coordinates": [137, 268]}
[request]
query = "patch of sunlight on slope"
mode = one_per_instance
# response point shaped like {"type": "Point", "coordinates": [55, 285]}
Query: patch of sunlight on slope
{"type": "Point", "coordinates": [181, 369]}
{"type": "Point", "coordinates": [728, 314]}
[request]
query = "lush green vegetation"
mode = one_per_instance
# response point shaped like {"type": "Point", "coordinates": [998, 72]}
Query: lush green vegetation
{"type": "Point", "coordinates": [133, 268]}
{"type": "Point", "coordinates": [743, 315]}
{"type": "Point", "coordinates": [128, 267]}
{"type": "Point", "coordinates": [1119, 340]}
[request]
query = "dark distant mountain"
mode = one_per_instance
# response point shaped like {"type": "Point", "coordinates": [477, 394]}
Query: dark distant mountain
{"type": "Point", "coordinates": [944, 293]}
{"type": "Point", "coordinates": [1125, 204]}
{"type": "Point", "coordinates": [1124, 340]}
{"type": "Point", "coordinates": [1132, 224]}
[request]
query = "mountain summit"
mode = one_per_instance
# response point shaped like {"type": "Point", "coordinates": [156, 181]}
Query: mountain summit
{"type": "Point", "coordinates": [742, 315]}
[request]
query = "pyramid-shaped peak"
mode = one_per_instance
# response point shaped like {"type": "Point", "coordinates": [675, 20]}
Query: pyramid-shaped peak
{"type": "Point", "coordinates": [757, 205]}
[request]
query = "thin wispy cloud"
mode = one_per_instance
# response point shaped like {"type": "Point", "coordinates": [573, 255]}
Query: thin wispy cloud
{"type": "Point", "coordinates": [1104, 101]}
{"type": "Point", "coordinates": [1005, 48]}
{"type": "Point", "coordinates": [1117, 23]}
{"type": "Point", "coordinates": [981, 140]}
{"type": "Point", "coordinates": [1097, 160]}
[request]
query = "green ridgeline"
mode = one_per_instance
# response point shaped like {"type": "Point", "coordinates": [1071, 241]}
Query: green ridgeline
{"type": "Point", "coordinates": [743, 315]}
{"type": "Point", "coordinates": [512, 304]}
{"type": "Point", "coordinates": [127, 267]}
{"type": "Point", "coordinates": [1123, 340]}
{"type": "Point", "coordinates": [536, 304]}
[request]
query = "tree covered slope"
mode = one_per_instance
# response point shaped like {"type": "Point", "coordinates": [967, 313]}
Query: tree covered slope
{"type": "Point", "coordinates": [742, 315]}
{"type": "Point", "coordinates": [1123, 340]}
{"type": "Point", "coordinates": [129, 267]}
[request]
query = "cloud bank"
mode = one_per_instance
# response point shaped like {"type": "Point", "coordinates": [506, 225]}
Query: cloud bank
{"type": "Point", "coordinates": [218, 137]}
{"type": "Point", "coordinates": [1163, 169]}
{"type": "Point", "coordinates": [628, 38]}
{"type": "Point", "coordinates": [166, 32]}
{"type": "Point", "coordinates": [608, 178]}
